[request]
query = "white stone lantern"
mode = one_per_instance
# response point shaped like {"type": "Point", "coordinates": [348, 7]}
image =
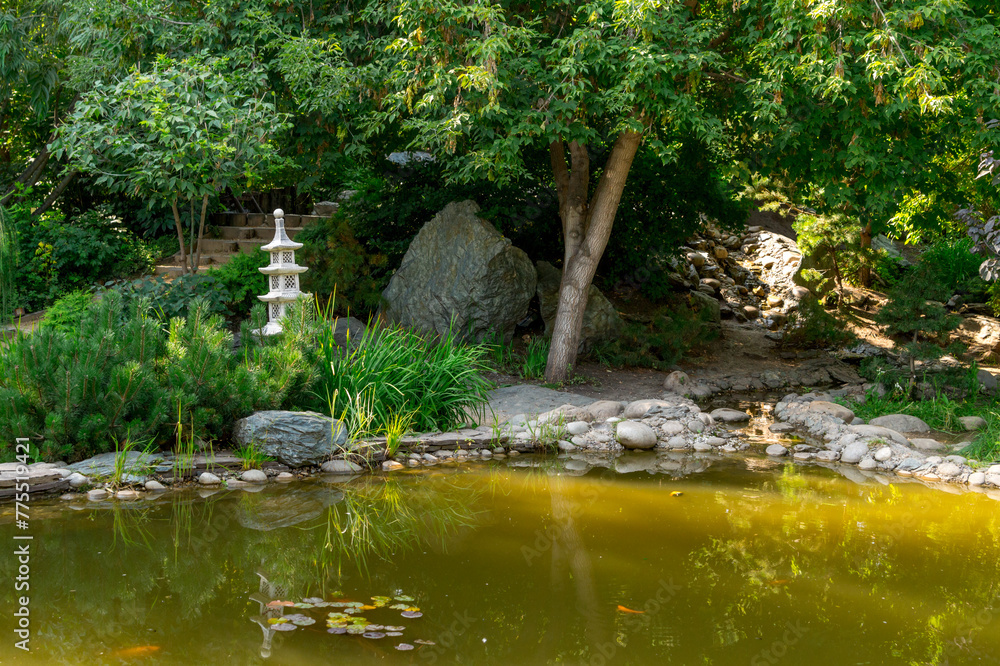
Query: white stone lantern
{"type": "Point", "coordinates": [282, 275]}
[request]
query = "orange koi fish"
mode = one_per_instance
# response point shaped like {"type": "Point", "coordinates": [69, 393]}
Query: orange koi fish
{"type": "Point", "coordinates": [629, 610]}
{"type": "Point", "coordinates": [138, 651]}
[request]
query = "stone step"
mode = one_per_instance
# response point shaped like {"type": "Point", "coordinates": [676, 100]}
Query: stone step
{"type": "Point", "coordinates": [238, 233]}
{"type": "Point", "coordinates": [207, 259]}
{"type": "Point", "coordinates": [212, 246]}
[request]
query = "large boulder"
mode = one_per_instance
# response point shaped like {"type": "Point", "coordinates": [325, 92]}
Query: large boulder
{"type": "Point", "coordinates": [459, 270]}
{"type": "Point", "coordinates": [295, 439]}
{"type": "Point", "coordinates": [900, 423]}
{"type": "Point", "coordinates": [600, 319]}
{"type": "Point", "coordinates": [348, 332]}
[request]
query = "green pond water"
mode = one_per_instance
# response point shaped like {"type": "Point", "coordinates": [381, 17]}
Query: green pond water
{"type": "Point", "coordinates": [755, 562]}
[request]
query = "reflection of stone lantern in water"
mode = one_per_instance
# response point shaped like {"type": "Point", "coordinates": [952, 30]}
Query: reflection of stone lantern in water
{"type": "Point", "coordinates": [268, 592]}
{"type": "Point", "coordinates": [282, 275]}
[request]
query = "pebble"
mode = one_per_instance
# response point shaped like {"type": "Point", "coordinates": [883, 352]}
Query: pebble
{"type": "Point", "coordinates": [209, 479]}
{"type": "Point", "coordinates": [154, 486]}
{"type": "Point", "coordinates": [883, 454]}
{"type": "Point", "coordinates": [285, 476]}
{"type": "Point", "coordinates": [127, 494]}
{"type": "Point", "coordinates": [391, 466]}
{"type": "Point", "coordinates": [565, 446]}
{"type": "Point", "coordinates": [868, 464]}
{"type": "Point", "coordinates": [977, 479]}
{"type": "Point", "coordinates": [635, 435]}
{"type": "Point", "coordinates": [97, 494]}
{"type": "Point", "coordinates": [776, 450]}
{"type": "Point", "coordinates": [578, 428]}
{"type": "Point", "coordinates": [76, 480]}
{"type": "Point", "coordinates": [695, 425]}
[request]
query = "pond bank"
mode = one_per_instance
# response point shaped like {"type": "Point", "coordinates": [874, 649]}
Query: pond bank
{"type": "Point", "coordinates": [670, 434]}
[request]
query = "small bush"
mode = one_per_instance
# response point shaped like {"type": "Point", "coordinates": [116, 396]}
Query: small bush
{"type": "Point", "coordinates": [812, 326]}
{"type": "Point", "coordinates": [174, 299]}
{"type": "Point", "coordinates": [393, 372]}
{"type": "Point", "coordinates": [951, 265]}
{"type": "Point", "coordinates": [536, 357]}
{"type": "Point", "coordinates": [242, 281]}
{"type": "Point", "coordinates": [339, 264]}
{"type": "Point", "coordinates": [659, 343]}
{"type": "Point", "coordinates": [68, 312]}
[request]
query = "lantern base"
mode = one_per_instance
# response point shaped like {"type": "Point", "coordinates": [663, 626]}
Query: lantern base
{"type": "Point", "coordinates": [271, 328]}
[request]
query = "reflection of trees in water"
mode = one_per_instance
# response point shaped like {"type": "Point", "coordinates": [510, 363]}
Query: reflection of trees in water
{"type": "Point", "coordinates": [909, 553]}
{"type": "Point", "coordinates": [187, 557]}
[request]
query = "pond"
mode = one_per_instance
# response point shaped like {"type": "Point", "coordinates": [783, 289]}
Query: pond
{"type": "Point", "coordinates": [711, 561]}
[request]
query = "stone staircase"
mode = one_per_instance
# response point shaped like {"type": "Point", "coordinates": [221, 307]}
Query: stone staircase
{"type": "Point", "coordinates": [237, 232]}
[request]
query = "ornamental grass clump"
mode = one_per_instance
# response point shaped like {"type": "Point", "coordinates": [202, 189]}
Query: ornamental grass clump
{"type": "Point", "coordinates": [393, 371]}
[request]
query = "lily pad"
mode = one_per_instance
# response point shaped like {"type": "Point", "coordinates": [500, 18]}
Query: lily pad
{"type": "Point", "coordinates": [409, 615]}
{"type": "Point", "coordinates": [337, 615]}
{"type": "Point", "coordinates": [394, 633]}
{"type": "Point", "coordinates": [304, 622]}
{"type": "Point", "coordinates": [403, 597]}
{"type": "Point", "coordinates": [421, 641]}
{"type": "Point", "coordinates": [277, 620]}
{"type": "Point", "coordinates": [337, 630]}
{"type": "Point", "coordinates": [381, 601]}
{"type": "Point", "coordinates": [355, 630]}
{"type": "Point", "coordinates": [404, 646]}
{"type": "Point", "coordinates": [312, 600]}
{"type": "Point", "coordinates": [388, 628]}
{"type": "Point", "coordinates": [375, 627]}
{"type": "Point", "coordinates": [399, 606]}
{"type": "Point", "coordinates": [373, 634]}
{"type": "Point", "coordinates": [284, 627]}
{"type": "Point", "coordinates": [302, 605]}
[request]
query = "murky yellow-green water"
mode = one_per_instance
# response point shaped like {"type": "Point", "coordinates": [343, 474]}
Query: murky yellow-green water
{"type": "Point", "coordinates": [788, 565]}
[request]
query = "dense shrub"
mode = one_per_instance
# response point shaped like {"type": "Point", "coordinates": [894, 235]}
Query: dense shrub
{"type": "Point", "coordinates": [174, 299]}
{"type": "Point", "coordinates": [124, 375]}
{"type": "Point", "coordinates": [56, 256]}
{"type": "Point", "coordinates": [437, 384]}
{"type": "Point", "coordinates": [952, 265]}
{"type": "Point", "coordinates": [339, 264]}
{"type": "Point", "coordinates": [660, 341]}
{"type": "Point", "coordinates": [812, 326]}
{"type": "Point", "coordinates": [68, 312]}
{"type": "Point", "coordinates": [241, 281]}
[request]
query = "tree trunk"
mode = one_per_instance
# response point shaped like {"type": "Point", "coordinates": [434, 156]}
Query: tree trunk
{"type": "Point", "coordinates": [194, 266]}
{"type": "Point", "coordinates": [29, 176]}
{"type": "Point", "coordinates": [180, 234]}
{"type": "Point", "coordinates": [865, 270]}
{"type": "Point", "coordinates": [586, 229]}
{"type": "Point", "coordinates": [54, 194]}
{"type": "Point", "coordinates": [201, 231]}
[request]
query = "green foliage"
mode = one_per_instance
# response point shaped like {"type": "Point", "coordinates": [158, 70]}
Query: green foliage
{"type": "Point", "coordinates": [393, 371]}
{"type": "Point", "coordinates": [339, 264]}
{"type": "Point", "coordinates": [986, 445]}
{"type": "Point", "coordinates": [240, 280]}
{"type": "Point", "coordinates": [939, 412]}
{"type": "Point", "coordinates": [121, 375]}
{"type": "Point", "coordinates": [832, 239]}
{"type": "Point", "coordinates": [175, 298]}
{"type": "Point", "coordinates": [812, 326]}
{"type": "Point", "coordinates": [68, 311]}
{"type": "Point", "coordinates": [8, 268]}
{"type": "Point", "coordinates": [251, 456]}
{"type": "Point", "coordinates": [180, 131]}
{"type": "Point", "coordinates": [915, 310]}
{"type": "Point", "coordinates": [536, 355]}
{"type": "Point", "coordinates": [660, 342]}
{"type": "Point", "coordinates": [952, 265]}
{"type": "Point", "coordinates": [662, 206]}
{"type": "Point", "coordinates": [58, 255]}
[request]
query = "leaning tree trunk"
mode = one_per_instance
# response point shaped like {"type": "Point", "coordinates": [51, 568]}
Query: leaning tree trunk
{"type": "Point", "coordinates": [586, 229]}
{"type": "Point", "coordinates": [201, 232]}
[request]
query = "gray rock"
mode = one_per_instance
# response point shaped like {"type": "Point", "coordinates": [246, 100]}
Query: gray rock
{"type": "Point", "coordinates": [924, 444]}
{"type": "Point", "coordinates": [867, 463]}
{"type": "Point", "coordinates": [702, 446]}
{"type": "Point", "coordinates": [883, 454]}
{"type": "Point", "coordinates": [154, 486]}
{"type": "Point", "coordinates": [832, 409]}
{"type": "Point", "coordinates": [339, 466]}
{"type": "Point", "coordinates": [677, 382]}
{"type": "Point", "coordinates": [671, 428]}
{"type": "Point", "coordinates": [703, 303]}
{"type": "Point", "coordinates": [635, 435]}
{"type": "Point", "coordinates": [600, 319]}
{"type": "Point", "coordinates": [696, 425]}
{"type": "Point", "coordinates": [880, 432]}
{"type": "Point", "coordinates": [828, 456]}
{"type": "Point", "coordinates": [909, 464]}
{"type": "Point", "coordinates": [678, 442]}
{"type": "Point", "coordinates": [729, 415]}
{"type": "Point", "coordinates": [972, 422]}
{"type": "Point", "coordinates": [781, 428]}
{"type": "Point", "coordinates": [566, 447]}
{"type": "Point", "coordinates": [577, 427]}
{"type": "Point", "coordinates": [391, 466]}
{"type": "Point", "coordinates": [900, 423]}
{"type": "Point", "coordinates": [987, 381]}
{"type": "Point", "coordinates": [977, 478]}
{"type": "Point", "coordinates": [602, 410]}
{"type": "Point", "coordinates": [209, 479]}
{"type": "Point", "coordinates": [77, 480]}
{"type": "Point", "coordinates": [639, 408]}
{"type": "Point", "coordinates": [348, 332]}
{"type": "Point", "coordinates": [253, 476]}
{"type": "Point", "coordinates": [97, 494]}
{"type": "Point", "coordinates": [460, 272]}
{"type": "Point", "coordinates": [854, 453]}
{"type": "Point", "coordinates": [776, 450]}
{"type": "Point", "coordinates": [295, 439]}
{"type": "Point", "coordinates": [946, 470]}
